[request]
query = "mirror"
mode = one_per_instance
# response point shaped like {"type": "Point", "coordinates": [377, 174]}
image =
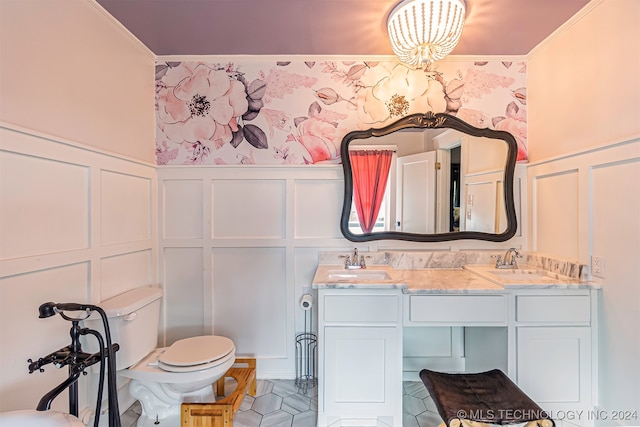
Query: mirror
{"type": "Point", "coordinates": [446, 180]}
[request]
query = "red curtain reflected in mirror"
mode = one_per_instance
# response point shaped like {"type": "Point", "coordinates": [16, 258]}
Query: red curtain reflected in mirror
{"type": "Point", "coordinates": [370, 170]}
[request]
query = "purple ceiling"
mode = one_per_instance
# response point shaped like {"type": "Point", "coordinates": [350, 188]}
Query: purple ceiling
{"type": "Point", "coordinates": [325, 27]}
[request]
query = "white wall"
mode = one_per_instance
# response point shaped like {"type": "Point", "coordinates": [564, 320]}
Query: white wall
{"type": "Point", "coordinates": [72, 71]}
{"type": "Point", "coordinates": [238, 247]}
{"type": "Point", "coordinates": [583, 81]}
{"type": "Point", "coordinates": [78, 195]}
{"type": "Point", "coordinates": [584, 139]}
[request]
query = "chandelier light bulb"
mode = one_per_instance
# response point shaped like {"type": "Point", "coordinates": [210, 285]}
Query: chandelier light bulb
{"type": "Point", "coordinates": [424, 31]}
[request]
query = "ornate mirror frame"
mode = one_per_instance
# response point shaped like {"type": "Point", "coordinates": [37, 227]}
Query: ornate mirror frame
{"type": "Point", "coordinates": [431, 121]}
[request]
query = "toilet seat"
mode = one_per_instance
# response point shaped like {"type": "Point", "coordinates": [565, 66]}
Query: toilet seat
{"type": "Point", "coordinates": [196, 353]}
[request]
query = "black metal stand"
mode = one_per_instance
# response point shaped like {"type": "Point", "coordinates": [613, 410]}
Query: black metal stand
{"type": "Point", "coordinates": [306, 355]}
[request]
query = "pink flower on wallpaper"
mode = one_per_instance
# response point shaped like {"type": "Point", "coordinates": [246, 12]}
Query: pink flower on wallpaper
{"type": "Point", "coordinates": [164, 155]}
{"type": "Point", "coordinates": [203, 106]}
{"type": "Point", "coordinates": [515, 123]}
{"type": "Point", "coordinates": [478, 83]}
{"type": "Point", "coordinates": [352, 75]}
{"type": "Point", "coordinates": [414, 88]}
{"type": "Point", "coordinates": [317, 137]}
{"type": "Point", "coordinates": [281, 83]}
{"type": "Point", "coordinates": [473, 117]}
{"type": "Point", "coordinates": [518, 129]}
{"type": "Point", "coordinates": [275, 119]}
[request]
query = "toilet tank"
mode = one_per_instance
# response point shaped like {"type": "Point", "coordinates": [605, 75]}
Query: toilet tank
{"type": "Point", "coordinates": [133, 317]}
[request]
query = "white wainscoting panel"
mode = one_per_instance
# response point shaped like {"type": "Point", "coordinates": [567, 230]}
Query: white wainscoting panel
{"type": "Point", "coordinates": [555, 213]}
{"type": "Point", "coordinates": [305, 265]}
{"type": "Point", "coordinates": [318, 206]}
{"type": "Point", "coordinates": [55, 216]}
{"type": "Point", "coordinates": [76, 225]}
{"type": "Point", "coordinates": [262, 230]}
{"type": "Point", "coordinates": [249, 208]}
{"type": "Point", "coordinates": [122, 272]}
{"type": "Point", "coordinates": [184, 301]}
{"type": "Point", "coordinates": [24, 336]}
{"type": "Point", "coordinates": [250, 299]}
{"type": "Point", "coordinates": [125, 208]}
{"type": "Point", "coordinates": [184, 219]}
{"type": "Point", "coordinates": [584, 205]}
{"type": "Point", "coordinates": [481, 203]}
{"type": "Point", "coordinates": [615, 204]}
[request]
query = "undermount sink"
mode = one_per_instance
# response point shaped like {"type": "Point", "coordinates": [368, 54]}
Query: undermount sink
{"type": "Point", "coordinates": [364, 274]}
{"type": "Point", "coordinates": [513, 274]}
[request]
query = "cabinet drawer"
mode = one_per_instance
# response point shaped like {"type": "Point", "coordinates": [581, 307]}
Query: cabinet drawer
{"type": "Point", "coordinates": [458, 309]}
{"type": "Point", "coordinates": [361, 308]}
{"type": "Point", "coordinates": [553, 308]}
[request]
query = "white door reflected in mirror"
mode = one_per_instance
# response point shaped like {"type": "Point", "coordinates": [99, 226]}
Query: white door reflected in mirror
{"type": "Point", "coordinates": [416, 190]}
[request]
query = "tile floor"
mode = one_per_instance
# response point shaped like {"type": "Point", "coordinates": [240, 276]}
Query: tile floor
{"type": "Point", "coordinates": [279, 404]}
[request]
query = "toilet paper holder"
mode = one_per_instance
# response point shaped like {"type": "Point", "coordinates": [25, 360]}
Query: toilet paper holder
{"type": "Point", "coordinates": [306, 302]}
{"type": "Point", "coordinates": [306, 349]}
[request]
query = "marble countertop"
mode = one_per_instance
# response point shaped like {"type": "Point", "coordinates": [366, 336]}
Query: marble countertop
{"type": "Point", "coordinates": [528, 277]}
{"type": "Point", "coordinates": [467, 279]}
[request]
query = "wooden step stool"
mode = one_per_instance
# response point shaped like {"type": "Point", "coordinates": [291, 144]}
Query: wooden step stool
{"type": "Point", "coordinates": [221, 412]}
{"type": "Point", "coordinates": [481, 399]}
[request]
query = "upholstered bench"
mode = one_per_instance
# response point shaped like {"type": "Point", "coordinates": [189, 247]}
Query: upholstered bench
{"type": "Point", "coordinates": [486, 397]}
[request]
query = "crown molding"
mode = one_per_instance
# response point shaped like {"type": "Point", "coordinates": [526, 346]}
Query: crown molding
{"type": "Point", "coordinates": [342, 58]}
{"type": "Point", "coordinates": [110, 19]}
{"type": "Point", "coordinates": [586, 10]}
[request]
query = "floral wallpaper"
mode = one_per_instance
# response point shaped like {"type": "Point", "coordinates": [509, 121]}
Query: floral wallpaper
{"type": "Point", "coordinates": [297, 112]}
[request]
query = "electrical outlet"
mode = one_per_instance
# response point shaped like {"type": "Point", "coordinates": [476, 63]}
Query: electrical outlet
{"type": "Point", "coordinates": [597, 266]}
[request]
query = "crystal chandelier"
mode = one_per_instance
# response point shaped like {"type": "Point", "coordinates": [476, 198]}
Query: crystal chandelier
{"type": "Point", "coordinates": [424, 31]}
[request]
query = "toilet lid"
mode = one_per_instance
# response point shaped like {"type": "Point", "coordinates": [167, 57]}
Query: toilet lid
{"type": "Point", "coordinates": [195, 351]}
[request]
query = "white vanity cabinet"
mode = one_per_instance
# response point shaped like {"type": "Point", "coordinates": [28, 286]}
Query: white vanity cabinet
{"type": "Point", "coordinates": [555, 342]}
{"type": "Point", "coordinates": [360, 357]}
{"type": "Point", "coordinates": [542, 332]}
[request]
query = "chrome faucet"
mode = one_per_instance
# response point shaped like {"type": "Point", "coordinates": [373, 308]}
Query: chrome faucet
{"type": "Point", "coordinates": [510, 259]}
{"type": "Point", "coordinates": [352, 261]}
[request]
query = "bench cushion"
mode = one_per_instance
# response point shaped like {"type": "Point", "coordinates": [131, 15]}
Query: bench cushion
{"type": "Point", "coordinates": [489, 397]}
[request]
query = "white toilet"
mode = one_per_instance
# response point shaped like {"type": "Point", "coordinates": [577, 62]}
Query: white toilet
{"type": "Point", "coordinates": [161, 378]}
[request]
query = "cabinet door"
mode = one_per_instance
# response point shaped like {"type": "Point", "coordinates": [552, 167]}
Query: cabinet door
{"type": "Point", "coordinates": [363, 372]}
{"type": "Point", "coordinates": [554, 365]}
